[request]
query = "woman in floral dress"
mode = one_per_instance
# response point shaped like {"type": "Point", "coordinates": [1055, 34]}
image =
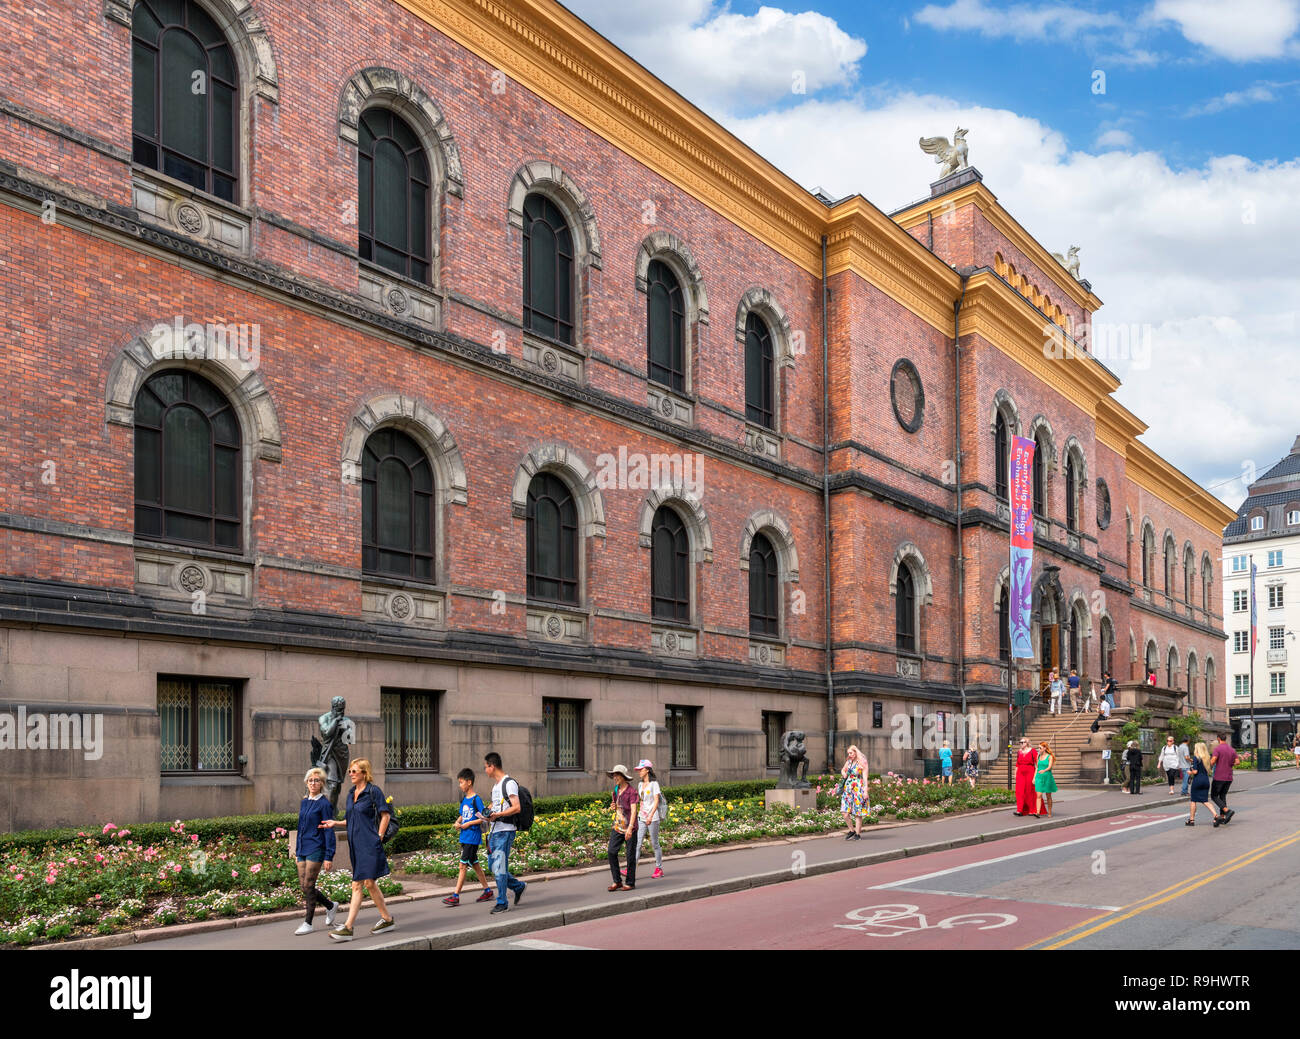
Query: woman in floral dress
{"type": "Point", "coordinates": [853, 793]}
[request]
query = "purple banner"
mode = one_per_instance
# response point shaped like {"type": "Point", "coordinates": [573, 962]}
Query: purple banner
{"type": "Point", "coordinates": [1022, 546]}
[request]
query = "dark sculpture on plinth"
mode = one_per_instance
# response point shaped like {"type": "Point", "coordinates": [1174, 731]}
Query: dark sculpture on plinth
{"type": "Point", "coordinates": [794, 762]}
{"type": "Point", "coordinates": [339, 733]}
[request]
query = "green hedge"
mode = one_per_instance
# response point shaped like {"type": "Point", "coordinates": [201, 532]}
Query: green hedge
{"type": "Point", "coordinates": [419, 819]}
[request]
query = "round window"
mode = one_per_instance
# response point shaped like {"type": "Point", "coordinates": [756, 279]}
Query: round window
{"type": "Point", "coordinates": [907, 395]}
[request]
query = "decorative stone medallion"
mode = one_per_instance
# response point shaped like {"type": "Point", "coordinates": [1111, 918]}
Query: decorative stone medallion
{"type": "Point", "coordinates": [764, 655]}
{"type": "Point", "coordinates": [189, 218]}
{"type": "Point", "coordinates": [398, 302]}
{"type": "Point", "coordinates": [192, 578]}
{"type": "Point", "coordinates": [666, 406]}
{"type": "Point", "coordinates": [670, 642]}
{"type": "Point", "coordinates": [400, 606]}
{"type": "Point", "coordinates": [549, 361]}
{"type": "Point", "coordinates": [554, 627]}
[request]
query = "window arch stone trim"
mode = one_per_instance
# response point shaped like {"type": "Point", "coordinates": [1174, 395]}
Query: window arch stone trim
{"type": "Point", "coordinates": [1003, 581]}
{"type": "Point", "coordinates": [1075, 449]}
{"type": "Point", "coordinates": [379, 86]}
{"type": "Point", "coordinates": [661, 245]}
{"type": "Point", "coordinates": [778, 532]}
{"type": "Point", "coordinates": [247, 35]}
{"type": "Point", "coordinates": [1040, 422]}
{"type": "Point", "coordinates": [418, 421]}
{"type": "Point", "coordinates": [925, 586]}
{"type": "Point", "coordinates": [689, 507]}
{"type": "Point", "coordinates": [173, 346]}
{"type": "Point", "coordinates": [550, 180]}
{"type": "Point", "coordinates": [1005, 403]}
{"type": "Point", "coordinates": [1077, 597]}
{"type": "Point", "coordinates": [760, 301]}
{"type": "Point", "coordinates": [567, 464]}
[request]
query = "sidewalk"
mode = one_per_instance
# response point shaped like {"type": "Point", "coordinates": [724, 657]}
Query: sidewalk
{"type": "Point", "coordinates": [555, 899]}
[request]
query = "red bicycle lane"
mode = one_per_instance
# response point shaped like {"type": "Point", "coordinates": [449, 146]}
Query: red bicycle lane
{"type": "Point", "coordinates": [873, 907]}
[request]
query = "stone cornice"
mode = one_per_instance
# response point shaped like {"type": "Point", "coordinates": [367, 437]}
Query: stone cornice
{"type": "Point", "coordinates": [1116, 425]}
{"type": "Point", "coordinates": [1153, 474]}
{"type": "Point", "coordinates": [975, 193]}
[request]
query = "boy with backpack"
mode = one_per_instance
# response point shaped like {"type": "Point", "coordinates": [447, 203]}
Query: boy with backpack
{"type": "Point", "coordinates": [470, 823]}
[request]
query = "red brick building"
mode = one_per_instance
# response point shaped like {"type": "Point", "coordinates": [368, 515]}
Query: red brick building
{"type": "Point", "coordinates": [287, 419]}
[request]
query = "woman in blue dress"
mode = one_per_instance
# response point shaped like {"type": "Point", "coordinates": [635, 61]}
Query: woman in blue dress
{"type": "Point", "coordinates": [1200, 786]}
{"type": "Point", "coordinates": [367, 821]}
{"type": "Point", "coordinates": [315, 849]}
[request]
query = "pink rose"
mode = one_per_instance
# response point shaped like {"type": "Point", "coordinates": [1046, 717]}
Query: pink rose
{"type": "Point", "coordinates": [256, 869]}
{"type": "Point", "coordinates": [19, 877]}
{"type": "Point", "coordinates": [194, 836]}
{"type": "Point", "coordinates": [109, 826]}
{"type": "Point", "coordinates": [234, 872]}
{"type": "Point", "coordinates": [50, 879]}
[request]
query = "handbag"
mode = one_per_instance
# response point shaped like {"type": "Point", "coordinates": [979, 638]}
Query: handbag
{"type": "Point", "coordinates": [387, 805]}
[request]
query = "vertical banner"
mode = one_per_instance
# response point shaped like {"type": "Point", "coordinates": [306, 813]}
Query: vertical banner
{"type": "Point", "coordinates": [1021, 600]}
{"type": "Point", "coordinates": [1254, 619]}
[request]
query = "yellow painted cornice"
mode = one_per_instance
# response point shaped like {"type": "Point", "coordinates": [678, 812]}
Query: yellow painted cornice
{"type": "Point", "coordinates": [976, 194]}
{"type": "Point", "coordinates": [1152, 473]}
{"type": "Point", "coordinates": [1117, 426]}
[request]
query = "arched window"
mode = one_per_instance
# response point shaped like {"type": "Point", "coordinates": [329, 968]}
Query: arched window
{"type": "Point", "coordinates": [552, 519]}
{"type": "Point", "coordinates": [760, 373]}
{"type": "Point", "coordinates": [1169, 566]}
{"type": "Point", "coordinates": [1107, 645]}
{"type": "Point", "coordinates": [1207, 582]}
{"type": "Point", "coordinates": [1002, 457]}
{"type": "Point", "coordinates": [764, 598]}
{"type": "Point", "coordinates": [1189, 564]}
{"type": "Point", "coordinates": [1148, 554]}
{"type": "Point", "coordinates": [1209, 684]}
{"type": "Point", "coordinates": [397, 519]}
{"type": "Point", "coordinates": [1172, 667]}
{"type": "Point", "coordinates": [184, 96]}
{"type": "Point", "coordinates": [905, 611]}
{"type": "Point", "coordinates": [1071, 495]}
{"type": "Point", "coordinates": [1004, 624]}
{"type": "Point", "coordinates": [1191, 679]}
{"type": "Point", "coordinates": [670, 561]}
{"type": "Point", "coordinates": [1078, 631]}
{"type": "Point", "coordinates": [1040, 477]}
{"type": "Point", "coordinates": [187, 462]}
{"type": "Point", "coordinates": [548, 270]}
{"type": "Point", "coordinates": [1152, 661]}
{"type": "Point", "coordinates": [393, 195]}
{"type": "Point", "coordinates": [665, 327]}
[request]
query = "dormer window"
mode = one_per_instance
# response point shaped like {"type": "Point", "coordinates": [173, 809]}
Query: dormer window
{"type": "Point", "coordinates": [1256, 523]}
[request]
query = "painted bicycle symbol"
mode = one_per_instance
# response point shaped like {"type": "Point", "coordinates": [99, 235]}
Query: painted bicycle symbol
{"type": "Point", "coordinates": [887, 921]}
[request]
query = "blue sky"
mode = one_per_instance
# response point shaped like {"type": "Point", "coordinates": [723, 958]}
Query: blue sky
{"type": "Point", "coordinates": [1179, 182]}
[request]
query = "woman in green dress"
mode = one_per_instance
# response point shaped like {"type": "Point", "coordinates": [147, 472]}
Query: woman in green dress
{"type": "Point", "coordinates": [1044, 781]}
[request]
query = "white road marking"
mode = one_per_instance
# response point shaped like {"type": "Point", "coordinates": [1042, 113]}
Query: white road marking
{"type": "Point", "coordinates": [1005, 898]}
{"type": "Point", "coordinates": [537, 943]}
{"type": "Point", "coordinates": [1022, 854]}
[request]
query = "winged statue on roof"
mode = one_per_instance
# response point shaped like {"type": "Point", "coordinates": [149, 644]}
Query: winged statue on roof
{"type": "Point", "coordinates": [952, 157]}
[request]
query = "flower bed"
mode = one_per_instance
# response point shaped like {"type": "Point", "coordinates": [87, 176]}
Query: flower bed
{"type": "Point", "coordinates": [564, 840]}
{"type": "Point", "coordinates": [1246, 759]}
{"type": "Point", "coordinates": [109, 882]}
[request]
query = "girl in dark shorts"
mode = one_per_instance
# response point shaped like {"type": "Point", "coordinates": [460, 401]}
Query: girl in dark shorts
{"type": "Point", "coordinates": [315, 849]}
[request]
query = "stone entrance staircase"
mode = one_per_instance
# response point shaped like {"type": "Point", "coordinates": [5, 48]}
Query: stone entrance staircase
{"type": "Point", "coordinates": [1066, 733]}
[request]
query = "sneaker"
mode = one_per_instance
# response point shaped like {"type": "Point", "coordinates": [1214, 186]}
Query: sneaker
{"type": "Point", "coordinates": [384, 925]}
{"type": "Point", "coordinates": [499, 909]}
{"type": "Point", "coordinates": [1217, 821]}
{"type": "Point", "coordinates": [1189, 823]}
{"type": "Point", "coordinates": [330, 913]}
{"type": "Point", "coordinates": [520, 893]}
{"type": "Point", "coordinates": [657, 873]}
{"type": "Point", "coordinates": [849, 836]}
{"type": "Point", "coordinates": [453, 900]}
{"type": "Point", "coordinates": [304, 928]}
{"type": "Point", "coordinates": [343, 934]}
{"type": "Point", "coordinates": [487, 896]}
{"type": "Point", "coordinates": [1228, 814]}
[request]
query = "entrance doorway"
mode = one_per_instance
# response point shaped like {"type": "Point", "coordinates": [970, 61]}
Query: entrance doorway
{"type": "Point", "coordinates": [1049, 654]}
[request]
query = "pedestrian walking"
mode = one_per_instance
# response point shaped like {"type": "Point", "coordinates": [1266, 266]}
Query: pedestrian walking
{"type": "Point", "coordinates": [1026, 766]}
{"type": "Point", "coordinates": [1072, 689]}
{"type": "Point", "coordinates": [650, 814]}
{"type": "Point", "coordinates": [1133, 758]}
{"type": "Point", "coordinates": [945, 762]}
{"type": "Point", "coordinates": [1168, 762]}
{"type": "Point", "coordinates": [367, 819]}
{"type": "Point", "coordinates": [1044, 781]}
{"type": "Point", "coordinates": [1224, 758]}
{"type": "Point", "coordinates": [315, 851]}
{"type": "Point", "coordinates": [1201, 768]}
{"type": "Point", "coordinates": [1108, 689]}
{"type": "Point", "coordinates": [1057, 688]}
{"type": "Point", "coordinates": [853, 792]}
{"type": "Point", "coordinates": [1184, 765]}
{"type": "Point", "coordinates": [624, 829]}
{"type": "Point", "coordinates": [501, 837]}
{"type": "Point", "coordinates": [972, 766]}
{"type": "Point", "coordinates": [469, 826]}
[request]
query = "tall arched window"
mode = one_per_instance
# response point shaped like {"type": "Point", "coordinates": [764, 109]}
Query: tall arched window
{"type": "Point", "coordinates": [1172, 668]}
{"type": "Point", "coordinates": [1209, 684]}
{"type": "Point", "coordinates": [187, 464]}
{"type": "Point", "coordinates": [1071, 495]}
{"type": "Point", "coordinates": [670, 560]}
{"type": "Point", "coordinates": [1189, 565]}
{"type": "Point", "coordinates": [1040, 477]}
{"type": "Point", "coordinates": [764, 596]}
{"type": "Point", "coordinates": [905, 611]}
{"type": "Point", "coordinates": [1078, 631]}
{"type": "Point", "coordinates": [184, 96]}
{"type": "Point", "coordinates": [397, 520]}
{"type": "Point", "coordinates": [1107, 645]}
{"type": "Point", "coordinates": [394, 213]}
{"type": "Point", "coordinates": [1004, 624]}
{"type": "Point", "coordinates": [1002, 457]}
{"type": "Point", "coordinates": [548, 270]}
{"type": "Point", "coordinates": [1148, 555]}
{"type": "Point", "coordinates": [1207, 582]}
{"type": "Point", "coordinates": [760, 373]}
{"type": "Point", "coordinates": [552, 520]}
{"type": "Point", "coordinates": [665, 327]}
{"type": "Point", "coordinates": [1169, 566]}
{"type": "Point", "coordinates": [1152, 660]}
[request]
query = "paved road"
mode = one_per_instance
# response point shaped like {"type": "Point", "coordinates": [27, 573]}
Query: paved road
{"type": "Point", "coordinates": [1137, 881]}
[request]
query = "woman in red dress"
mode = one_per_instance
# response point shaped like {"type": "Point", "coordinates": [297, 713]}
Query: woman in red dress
{"type": "Point", "coordinates": [1026, 765]}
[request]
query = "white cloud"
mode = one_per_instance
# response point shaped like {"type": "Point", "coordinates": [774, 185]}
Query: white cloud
{"type": "Point", "coordinates": [726, 61]}
{"type": "Point", "coordinates": [1018, 21]}
{"type": "Point", "coordinates": [1257, 93]}
{"type": "Point", "coordinates": [1241, 30]}
{"type": "Point", "coordinates": [1115, 139]}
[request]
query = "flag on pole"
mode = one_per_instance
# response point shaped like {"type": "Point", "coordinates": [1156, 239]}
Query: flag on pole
{"type": "Point", "coordinates": [1021, 599]}
{"type": "Point", "coordinates": [1254, 636]}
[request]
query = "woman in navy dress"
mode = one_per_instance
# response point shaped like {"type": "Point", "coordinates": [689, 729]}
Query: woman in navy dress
{"type": "Point", "coordinates": [1200, 787]}
{"type": "Point", "coordinates": [367, 821]}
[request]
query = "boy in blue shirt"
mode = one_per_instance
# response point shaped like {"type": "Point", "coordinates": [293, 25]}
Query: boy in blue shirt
{"type": "Point", "coordinates": [470, 824]}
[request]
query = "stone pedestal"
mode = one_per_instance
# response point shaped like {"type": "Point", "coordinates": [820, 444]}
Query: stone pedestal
{"type": "Point", "coordinates": [801, 800]}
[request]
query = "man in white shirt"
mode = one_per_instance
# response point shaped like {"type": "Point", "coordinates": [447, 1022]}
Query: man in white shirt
{"type": "Point", "coordinates": [505, 803]}
{"type": "Point", "coordinates": [1057, 687]}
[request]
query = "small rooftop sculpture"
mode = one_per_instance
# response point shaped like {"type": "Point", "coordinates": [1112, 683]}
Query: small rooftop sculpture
{"type": "Point", "coordinates": [952, 157]}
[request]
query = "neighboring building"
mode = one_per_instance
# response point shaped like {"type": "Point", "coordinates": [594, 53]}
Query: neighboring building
{"type": "Point", "coordinates": [439, 357]}
{"type": "Point", "coordinates": [1266, 534]}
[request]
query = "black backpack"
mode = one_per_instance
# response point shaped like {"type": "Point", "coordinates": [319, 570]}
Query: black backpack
{"type": "Point", "coordinates": [380, 807]}
{"type": "Point", "coordinates": [523, 819]}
